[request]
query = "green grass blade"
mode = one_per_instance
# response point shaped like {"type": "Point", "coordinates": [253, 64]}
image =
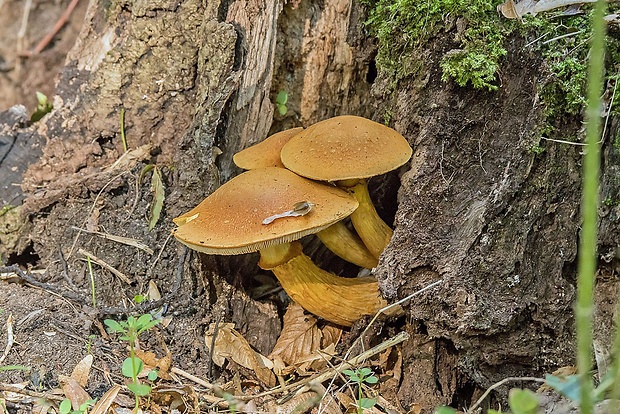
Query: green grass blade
{"type": "Point", "coordinates": [589, 210]}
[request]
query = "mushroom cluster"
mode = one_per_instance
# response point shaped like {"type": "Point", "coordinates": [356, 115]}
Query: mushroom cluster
{"type": "Point", "coordinates": [278, 201]}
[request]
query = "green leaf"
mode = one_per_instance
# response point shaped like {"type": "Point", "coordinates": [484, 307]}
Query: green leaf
{"type": "Point", "coordinates": [523, 401]}
{"type": "Point", "coordinates": [139, 299]}
{"type": "Point", "coordinates": [141, 390]}
{"type": "Point", "coordinates": [371, 380]}
{"type": "Point", "coordinates": [143, 320]}
{"type": "Point", "coordinates": [282, 98]}
{"type": "Point", "coordinates": [282, 110]}
{"type": "Point", "coordinates": [445, 410]}
{"type": "Point", "coordinates": [157, 186]}
{"type": "Point", "coordinates": [113, 326]}
{"type": "Point", "coordinates": [14, 368]}
{"type": "Point", "coordinates": [153, 374]}
{"type": "Point", "coordinates": [567, 386]}
{"type": "Point", "coordinates": [43, 107]}
{"type": "Point", "coordinates": [65, 406]}
{"type": "Point", "coordinates": [367, 402]}
{"type": "Point", "coordinates": [41, 98]}
{"type": "Point", "coordinates": [130, 369]}
{"type": "Point", "coordinates": [364, 372]}
{"type": "Point", "coordinates": [349, 373]}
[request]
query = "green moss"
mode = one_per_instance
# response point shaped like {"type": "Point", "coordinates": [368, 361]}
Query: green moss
{"type": "Point", "coordinates": [402, 26]}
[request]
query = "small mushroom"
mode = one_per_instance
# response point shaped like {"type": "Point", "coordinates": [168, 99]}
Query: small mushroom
{"type": "Point", "coordinates": [230, 221]}
{"type": "Point", "coordinates": [267, 152]}
{"type": "Point", "coordinates": [347, 150]}
{"type": "Point", "coordinates": [337, 238]}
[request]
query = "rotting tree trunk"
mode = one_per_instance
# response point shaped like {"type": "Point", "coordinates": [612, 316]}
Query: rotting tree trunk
{"type": "Point", "coordinates": [497, 222]}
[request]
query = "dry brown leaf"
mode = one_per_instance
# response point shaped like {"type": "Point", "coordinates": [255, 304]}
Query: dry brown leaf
{"type": "Point", "coordinates": [230, 344]}
{"type": "Point", "coordinates": [101, 407]}
{"type": "Point", "coordinates": [73, 391]}
{"type": "Point", "coordinates": [173, 397]}
{"type": "Point", "coordinates": [151, 362]}
{"type": "Point", "coordinates": [515, 10]}
{"type": "Point", "coordinates": [82, 370]}
{"type": "Point", "coordinates": [301, 340]}
{"type": "Point", "coordinates": [300, 336]}
{"type": "Point", "coordinates": [331, 335]}
{"type": "Point", "coordinates": [153, 291]}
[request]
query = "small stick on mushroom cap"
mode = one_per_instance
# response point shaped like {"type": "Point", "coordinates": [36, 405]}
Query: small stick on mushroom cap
{"type": "Point", "coordinates": [347, 150]}
{"type": "Point", "coordinates": [230, 221]}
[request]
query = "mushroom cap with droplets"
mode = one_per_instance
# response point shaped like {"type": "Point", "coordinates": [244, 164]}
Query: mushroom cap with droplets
{"type": "Point", "coordinates": [345, 147]}
{"type": "Point", "coordinates": [266, 153]}
{"type": "Point", "coordinates": [230, 221]}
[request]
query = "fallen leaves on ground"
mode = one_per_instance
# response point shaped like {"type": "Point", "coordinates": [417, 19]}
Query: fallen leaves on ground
{"type": "Point", "coordinates": [230, 344]}
{"type": "Point", "coordinates": [301, 341]}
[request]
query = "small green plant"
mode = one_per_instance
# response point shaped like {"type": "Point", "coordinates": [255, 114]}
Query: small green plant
{"type": "Point", "coordinates": [92, 282]}
{"type": "Point", "coordinates": [132, 366]}
{"type": "Point", "coordinates": [123, 138]}
{"type": "Point", "coordinates": [65, 407]}
{"type": "Point", "coordinates": [43, 107]}
{"type": "Point", "coordinates": [362, 376]}
{"type": "Point", "coordinates": [281, 101]}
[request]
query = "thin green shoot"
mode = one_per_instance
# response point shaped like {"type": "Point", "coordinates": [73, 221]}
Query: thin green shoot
{"type": "Point", "coordinates": [589, 210]}
{"type": "Point", "coordinates": [14, 368]}
{"type": "Point", "coordinates": [362, 376]}
{"type": "Point", "coordinates": [132, 366]}
{"type": "Point", "coordinates": [92, 282]}
{"type": "Point", "coordinates": [123, 138]}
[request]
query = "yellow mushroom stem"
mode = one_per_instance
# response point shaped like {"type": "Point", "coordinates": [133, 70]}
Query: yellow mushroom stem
{"type": "Point", "coordinates": [337, 299]}
{"type": "Point", "coordinates": [347, 245]}
{"type": "Point", "coordinates": [371, 228]}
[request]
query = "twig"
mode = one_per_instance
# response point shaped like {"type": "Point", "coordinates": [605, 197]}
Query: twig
{"type": "Point", "coordinates": [138, 309]}
{"type": "Point", "coordinates": [191, 377]}
{"type": "Point", "coordinates": [120, 239]}
{"type": "Point", "coordinates": [50, 36]}
{"type": "Point", "coordinates": [381, 311]}
{"type": "Point", "coordinates": [499, 384]}
{"type": "Point", "coordinates": [65, 270]}
{"type": "Point", "coordinates": [23, 391]}
{"type": "Point", "coordinates": [77, 236]}
{"type": "Point", "coordinates": [403, 336]}
{"type": "Point", "coordinates": [10, 339]}
{"type": "Point", "coordinates": [106, 266]}
{"type": "Point", "coordinates": [161, 251]}
{"type": "Point", "coordinates": [24, 26]}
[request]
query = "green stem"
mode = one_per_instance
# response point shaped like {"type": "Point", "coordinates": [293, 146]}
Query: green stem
{"type": "Point", "coordinates": [134, 375]}
{"type": "Point", "coordinates": [589, 210]}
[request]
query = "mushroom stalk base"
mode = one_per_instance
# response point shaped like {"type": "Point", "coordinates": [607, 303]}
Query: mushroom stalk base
{"type": "Point", "coordinates": [347, 245]}
{"type": "Point", "coordinates": [337, 299]}
{"type": "Point", "coordinates": [370, 227]}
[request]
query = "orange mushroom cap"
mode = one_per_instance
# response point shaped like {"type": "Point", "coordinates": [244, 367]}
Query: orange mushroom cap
{"type": "Point", "coordinates": [230, 221]}
{"type": "Point", "coordinates": [265, 153]}
{"type": "Point", "coordinates": [344, 148]}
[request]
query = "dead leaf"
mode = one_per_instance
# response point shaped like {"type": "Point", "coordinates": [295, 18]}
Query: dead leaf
{"type": "Point", "coordinates": [153, 291]}
{"type": "Point", "coordinates": [102, 406]}
{"type": "Point", "coordinates": [82, 370]}
{"type": "Point", "coordinates": [184, 399]}
{"type": "Point", "coordinates": [515, 10]}
{"type": "Point", "coordinates": [230, 344]}
{"type": "Point", "coordinates": [73, 391]}
{"type": "Point", "coordinates": [301, 339]}
{"type": "Point", "coordinates": [300, 336]}
{"type": "Point", "coordinates": [151, 362]}
{"type": "Point", "coordinates": [157, 186]}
